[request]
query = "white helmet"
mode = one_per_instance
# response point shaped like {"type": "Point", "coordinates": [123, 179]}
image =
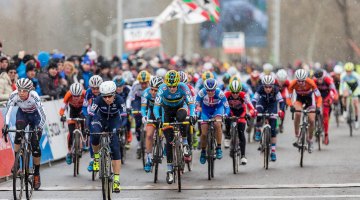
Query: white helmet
{"type": "Point", "coordinates": [267, 67]}
{"type": "Point", "coordinates": [208, 66]}
{"type": "Point", "coordinates": [128, 77]}
{"type": "Point", "coordinates": [338, 69]}
{"type": "Point", "coordinates": [107, 88]}
{"type": "Point", "coordinates": [95, 81]}
{"type": "Point", "coordinates": [24, 83]}
{"type": "Point", "coordinates": [183, 77]}
{"type": "Point", "coordinates": [301, 74]}
{"type": "Point", "coordinates": [268, 80]}
{"type": "Point", "coordinates": [76, 89]}
{"type": "Point", "coordinates": [161, 72]}
{"type": "Point", "coordinates": [156, 81]}
{"type": "Point", "coordinates": [317, 65]}
{"type": "Point", "coordinates": [281, 75]}
{"type": "Point", "coordinates": [232, 71]}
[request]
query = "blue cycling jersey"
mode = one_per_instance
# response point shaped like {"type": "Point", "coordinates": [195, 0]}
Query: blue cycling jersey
{"type": "Point", "coordinates": [147, 102]}
{"type": "Point", "coordinates": [166, 98]}
{"type": "Point", "coordinates": [125, 93]}
{"type": "Point", "coordinates": [208, 103]}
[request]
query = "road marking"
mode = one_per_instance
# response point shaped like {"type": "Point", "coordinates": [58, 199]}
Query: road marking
{"type": "Point", "coordinates": [197, 187]}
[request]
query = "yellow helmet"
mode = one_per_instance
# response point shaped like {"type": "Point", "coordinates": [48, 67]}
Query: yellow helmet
{"type": "Point", "coordinates": [207, 75]}
{"type": "Point", "coordinates": [234, 78]}
{"type": "Point", "coordinates": [172, 78]}
{"type": "Point", "coordinates": [349, 66]}
{"type": "Point", "coordinates": [143, 77]}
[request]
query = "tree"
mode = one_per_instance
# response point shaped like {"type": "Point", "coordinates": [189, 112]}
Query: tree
{"type": "Point", "coordinates": [343, 6]}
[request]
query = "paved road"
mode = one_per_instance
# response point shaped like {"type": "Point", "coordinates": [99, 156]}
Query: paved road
{"type": "Point", "coordinates": [332, 173]}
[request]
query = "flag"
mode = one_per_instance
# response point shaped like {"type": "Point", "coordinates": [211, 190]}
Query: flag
{"type": "Point", "coordinates": [191, 11]}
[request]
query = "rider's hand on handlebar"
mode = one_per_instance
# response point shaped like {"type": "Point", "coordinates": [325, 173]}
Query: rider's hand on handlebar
{"type": "Point", "coordinates": [292, 109]}
{"type": "Point", "coordinates": [192, 120]}
{"type": "Point", "coordinates": [63, 118]}
{"type": "Point", "coordinates": [144, 120]}
{"type": "Point", "coordinates": [253, 113]}
{"type": "Point", "coordinates": [281, 114]}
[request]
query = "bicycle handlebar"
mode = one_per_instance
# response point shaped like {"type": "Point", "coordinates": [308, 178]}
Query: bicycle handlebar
{"type": "Point", "coordinates": [176, 123]}
{"type": "Point", "coordinates": [77, 119]}
{"type": "Point", "coordinates": [267, 115]}
{"type": "Point", "coordinates": [102, 133]}
{"type": "Point", "coordinates": [209, 120]}
{"type": "Point", "coordinates": [301, 111]}
{"type": "Point", "coordinates": [20, 131]}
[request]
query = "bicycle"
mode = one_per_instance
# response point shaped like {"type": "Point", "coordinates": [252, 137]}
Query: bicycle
{"type": "Point", "coordinates": [76, 147]}
{"type": "Point", "coordinates": [122, 142]}
{"type": "Point", "coordinates": [265, 141]}
{"type": "Point", "coordinates": [22, 173]}
{"type": "Point", "coordinates": [350, 117]}
{"type": "Point", "coordinates": [178, 152]}
{"type": "Point", "coordinates": [303, 133]}
{"type": "Point", "coordinates": [105, 173]}
{"type": "Point", "coordinates": [211, 146]}
{"type": "Point", "coordinates": [337, 113]}
{"type": "Point", "coordinates": [319, 127]}
{"type": "Point", "coordinates": [235, 149]}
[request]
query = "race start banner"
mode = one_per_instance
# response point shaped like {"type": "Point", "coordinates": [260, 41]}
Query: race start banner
{"type": "Point", "coordinates": [141, 33]}
{"type": "Point", "coordinates": [234, 43]}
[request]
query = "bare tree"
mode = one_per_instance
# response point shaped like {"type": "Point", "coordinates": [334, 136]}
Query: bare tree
{"type": "Point", "coordinates": [349, 37]}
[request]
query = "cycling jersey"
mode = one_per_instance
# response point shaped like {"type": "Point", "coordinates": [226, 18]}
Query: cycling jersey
{"type": "Point", "coordinates": [165, 98]}
{"type": "Point", "coordinates": [238, 105]}
{"type": "Point", "coordinates": [265, 100]}
{"type": "Point", "coordinates": [253, 86]}
{"type": "Point", "coordinates": [105, 111]}
{"type": "Point", "coordinates": [326, 87]}
{"type": "Point", "coordinates": [147, 103]}
{"type": "Point", "coordinates": [304, 90]}
{"type": "Point", "coordinates": [350, 81]}
{"type": "Point", "coordinates": [30, 106]}
{"type": "Point", "coordinates": [73, 102]}
{"type": "Point", "coordinates": [134, 98]}
{"type": "Point", "coordinates": [212, 106]}
{"type": "Point", "coordinates": [283, 88]}
{"type": "Point", "coordinates": [125, 93]}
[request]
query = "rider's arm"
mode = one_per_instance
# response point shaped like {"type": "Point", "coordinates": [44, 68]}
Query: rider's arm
{"type": "Point", "coordinates": [40, 108]}
{"type": "Point", "coordinates": [131, 96]}
{"type": "Point", "coordinates": [281, 101]}
{"type": "Point", "coordinates": [9, 106]}
{"type": "Point", "coordinates": [198, 85]}
{"type": "Point", "coordinates": [290, 92]}
{"type": "Point", "coordinates": [122, 110]}
{"type": "Point", "coordinates": [158, 102]}
{"type": "Point", "coordinates": [256, 98]}
{"type": "Point", "coordinates": [85, 105]}
{"type": "Point", "coordinates": [247, 89]}
{"type": "Point", "coordinates": [189, 99]}
{"type": "Point", "coordinates": [95, 106]}
{"type": "Point", "coordinates": [247, 101]}
{"type": "Point", "coordinates": [317, 93]}
{"type": "Point", "coordinates": [225, 103]}
{"type": "Point", "coordinates": [332, 87]}
{"type": "Point", "coordinates": [65, 103]}
{"type": "Point", "coordinates": [144, 103]}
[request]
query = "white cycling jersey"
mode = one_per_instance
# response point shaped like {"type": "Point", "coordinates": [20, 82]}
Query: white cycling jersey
{"type": "Point", "coordinates": [136, 91]}
{"type": "Point", "coordinates": [30, 105]}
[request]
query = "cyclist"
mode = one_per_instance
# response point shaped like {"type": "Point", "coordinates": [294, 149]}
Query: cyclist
{"type": "Point", "coordinates": [123, 90]}
{"type": "Point", "coordinates": [283, 83]}
{"type": "Point", "coordinates": [147, 105]}
{"type": "Point", "coordinates": [133, 102]}
{"type": "Point", "coordinates": [336, 74]}
{"type": "Point", "coordinates": [329, 94]}
{"type": "Point", "coordinates": [226, 81]}
{"type": "Point", "coordinates": [305, 89]}
{"type": "Point", "coordinates": [238, 101]}
{"type": "Point", "coordinates": [108, 111]}
{"type": "Point", "coordinates": [212, 103]}
{"type": "Point", "coordinates": [91, 93]}
{"type": "Point", "coordinates": [349, 85]}
{"type": "Point", "coordinates": [254, 80]}
{"type": "Point", "coordinates": [30, 112]}
{"type": "Point", "coordinates": [266, 100]}
{"type": "Point", "coordinates": [174, 98]}
{"type": "Point", "coordinates": [74, 98]}
{"type": "Point", "coordinates": [200, 83]}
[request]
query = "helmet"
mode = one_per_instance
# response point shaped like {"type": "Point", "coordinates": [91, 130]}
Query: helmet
{"type": "Point", "coordinates": [317, 65]}
{"type": "Point", "coordinates": [128, 77]}
{"type": "Point", "coordinates": [267, 68]}
{"type": "Point", "coordinates": [161, 72]}
{"type": "Point", "coordinates": [281, 75]}
{"type": "Point", "coordinates": [190, 71]}
{"type": "Point", "coordinates": [235, 87]}
{"type": "Point", "coordinates": [235, 78]}
{"type": "Point", "coordinates": [319, 73]}
{"type": "Point", "coordinates": [156, 81]}
{"type": "Point", "coordinates": [338, 69]}
{"type": "Point", "coordinates": [119, 81]}
{"type": "Point", "coordinates": [268, 80]}
{"type": "Point", "coordinates": [349, 66]}
{"type": "Point", "coordinates": [172, 78]}
{"type": "Point", "coordinates": [232, 71]}
{"type": "Point", "coordinates": [210, 84]}
{"type": "Point", "coordinates": [207, 75]}
{"type": "Point", "coordinates": [208, 66]}
{"type": "Point", "coordinates": [143, 77]}
{"type": "Point", "coordinates": [24, 83]}
{"type": "Point", "coordinates": [107, 88]}
{"type": "Point", "coordinates": [95, 81]}
{"type": "Point", "coordinates": [301, 74]}
{"type": "Point", "coordinates": [226, 78]}
{"type": "Point", "coordinates": [255, 74]}
{"type": "Point", "coordinates": [183, 77]}
{"type": "Point", "coordinates": [76, 89]}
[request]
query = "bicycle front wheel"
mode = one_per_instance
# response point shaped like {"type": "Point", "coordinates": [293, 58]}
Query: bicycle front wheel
{"type": "Point", "coordinates": [318, 126]}
{"type": "Point", "coordinates": [350, 118]}
{"type": "Point", "coordinates": [234, 148]}
{"type": "Point", "coordinates": [18, 176]}
{"type": "Point", "coordinates": [76, 153]}
{"type": "Point", "coordinates": [266, 146]}
{"type": "Point", "coordinates": [28, 175]}
{"type": "Point", "coordinates": [105, 168]}
{"type": "Point", "coordinates": [302, 146]}
{"type": "Point", "coordinates": [210, 154]}
{"type": "Point", "coordinates": [142, 143]}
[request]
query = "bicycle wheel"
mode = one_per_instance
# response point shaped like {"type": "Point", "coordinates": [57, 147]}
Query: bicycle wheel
{"type": "Point", "coordinates": [350, 119]}
{"type": "Point", "coordinates": [142, 143]}
{"type": "Point", "coordinates": [18, 176]}
{"type": "Point", "coordinates": [156, 153]}
{"type": "Point", "coordinates": [302, 146]}
{"type": "Point", "coordinates": [180, 164]}
{"type": "Point", "coordinates": [213, 155]}
{"type": "Point", "coordinates": [28, 175]}
{"type": "Point", "coordinates": [105, 175]}
{"type": "Point", "coordinates": [266, 146]}
{"type": "Point", "coordinates": [76, 152]}
{"type": "Point", "coordinates": [233, 150]}
{"type": "Point", "coordinates": [210, 153]}
{"type": "Point", "coordinates": [337, 113]}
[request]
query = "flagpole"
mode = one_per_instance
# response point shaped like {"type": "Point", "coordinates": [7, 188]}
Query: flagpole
{"type": "Point", "coordinates": [180, 36]}
{"type": "Point", "coordinates": [119, 28]}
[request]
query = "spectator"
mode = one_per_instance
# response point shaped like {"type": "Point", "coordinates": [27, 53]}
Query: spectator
{"type": "Point", "coordinates": [51, 84]}
{"type": "Point", "coordinates": [105, 71]}
{"type": "Point", "coordinates": [4, 63]}
{"type": "Point", "coordinates": [69, 72]}
{"type": "Point", "coordinates": [30, 74]}
{"type": "Point", "coordinates": [8, 82]}
{"type": "Point", "coordinates": [85, 73]}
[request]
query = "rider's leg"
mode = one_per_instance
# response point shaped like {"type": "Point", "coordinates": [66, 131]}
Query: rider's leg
{"type": "Point", "coordinates": [297, 106]}
{"type": "Point", "coordinates": [218, 130]}
{"type": "Point", "coordinates": [242, 139]}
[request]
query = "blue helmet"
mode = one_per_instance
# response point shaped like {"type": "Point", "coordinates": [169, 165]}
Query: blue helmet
{"type": "Point", "coordinates": [210, 84]}
{"type": "Point", "coordinates": [119, 81]}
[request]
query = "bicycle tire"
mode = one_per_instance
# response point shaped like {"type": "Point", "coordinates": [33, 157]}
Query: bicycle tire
{"type": "Point", "coordinates": [266, 145]}
{"type": "Point", "coordinates": [156, 153]}
{"type": "Point", "coordinates": [76, 144]}
{"type": "Point", "coordinates": [28, 180]}
{"type": "Point", "coordinates": [18, 177]}
{"type": "Point", "coordinates": [213, 155]}
{"type": "Point", "coordinates": [336, 113]}
{"type": "Point", "coordinates": [350, 120]}
{"type": "Point", "coordinates": [210, 153]}
{"type": "Point", "coordinates": [93, 175]}
{"type": "Point", "coordinates": [302, 147]}
{"type": "Point", "coordinates": [105, 175]}
{"type": "Point", "coordinates": [142, 143]}
{"type": "Point", "coordinates": [180, 164]}
{"type": "Point", "coordinates": [234, 150]}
